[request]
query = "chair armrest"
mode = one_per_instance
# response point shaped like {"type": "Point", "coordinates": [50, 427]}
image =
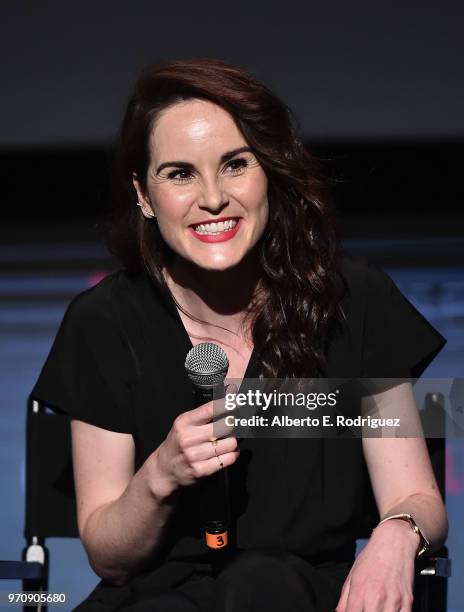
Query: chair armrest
{"type": "Point", "coordinates": [435, 566]}
{"type": "Point", "coordinates": [21, 570]}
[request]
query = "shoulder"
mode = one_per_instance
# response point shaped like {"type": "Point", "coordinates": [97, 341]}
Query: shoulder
{"type": "Point", "coordinates": [368, 292]}
{"type": "Point", "coordinates": [395, 339]}
{"type": "Point", "coordinates": [90, 370]}
{"type": "Point", "coordinates": [104, 301]}
{"type": "Point", "coordinates": [98, 322]}
{"type": "Point", "coordinates": [361, 283]}
{"type": "Point", "coordinates": [121, 304]}
{"type": "Point", "coordinates": [361, 275]}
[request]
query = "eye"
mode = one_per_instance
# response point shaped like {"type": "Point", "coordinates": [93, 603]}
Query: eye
{"type": "Point", "coordinates": [180, 176]}
{"type": "Point", "coordinates": [237, 166]}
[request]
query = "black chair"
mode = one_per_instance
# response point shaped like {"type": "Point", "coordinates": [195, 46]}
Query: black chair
{"type": "Point", "coordinates": [51, 509]}
{"type": "Point", "coordinates": [431, 595]}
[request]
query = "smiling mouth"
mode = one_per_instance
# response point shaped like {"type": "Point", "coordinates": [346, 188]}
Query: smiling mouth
{"type": "Point", "coordinates": [215, 228]}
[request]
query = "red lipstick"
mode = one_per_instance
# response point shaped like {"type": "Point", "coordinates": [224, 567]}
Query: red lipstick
{"type": "Point", "coordinates": [222, 237]}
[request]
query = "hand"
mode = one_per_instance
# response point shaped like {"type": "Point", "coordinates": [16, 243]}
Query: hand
{"type": "Point", "coordinates": [188, 454]}
{"type": "Point", "coordinates": [382, 576]}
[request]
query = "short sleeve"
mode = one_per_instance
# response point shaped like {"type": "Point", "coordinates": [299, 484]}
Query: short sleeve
{"type": "Point", "coordinates": [87, 372]}
{"type": "Point", "coordinates": [398, 341]}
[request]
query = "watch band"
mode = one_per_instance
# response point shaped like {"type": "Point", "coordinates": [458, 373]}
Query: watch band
{"type": "Point", "coordinates": [424, 544]}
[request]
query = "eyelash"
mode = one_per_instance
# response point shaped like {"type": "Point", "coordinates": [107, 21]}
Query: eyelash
{"type": "Point", "coordinates": [242, 163]}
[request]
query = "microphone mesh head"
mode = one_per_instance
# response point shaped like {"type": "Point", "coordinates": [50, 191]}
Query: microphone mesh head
{"type": "Point", "coordinates": [206, 365]}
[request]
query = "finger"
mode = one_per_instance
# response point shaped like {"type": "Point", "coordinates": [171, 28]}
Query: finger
{"type": "Point", "coordinates": [224, 427]}
{"type": "Point", "coordinates": [224, 405]}
{"type": "Point", "coordinates": [189, 436]}
{"type": "Point", "coordinates": [213, 409]}
{"type": "Point", "coordinates": [396, 602]}
{"type": "Point", "coordinates": [207, 450]}
{"type": "Point", "coordinates": [214, 431]}
{"type": "Point", "coordinates": [341, 605]}
{"type": "Point", "coordinates": [201, 415]}
{"type": "Point", "coordinates": [221, 447]}
{"type": "Point", "coordinates": [354, 602]}
{"type": "Point", "coordinates": [213, 465]}
{"type": "Point", "coordinates": [400, 605]}
{"type": "Point", "coordinates": [231, 388]}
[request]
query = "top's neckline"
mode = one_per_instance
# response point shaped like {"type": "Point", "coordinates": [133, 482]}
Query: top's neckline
{"type": "Point", "coordinates": [168, 301]}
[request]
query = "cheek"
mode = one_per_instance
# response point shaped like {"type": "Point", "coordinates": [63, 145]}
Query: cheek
{"type": "Point", "coordinates": [252, 191]}
{"type": "Point", "coordinates": [171, 205]}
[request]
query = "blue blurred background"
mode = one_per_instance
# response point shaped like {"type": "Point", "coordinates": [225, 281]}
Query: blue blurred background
{"type": "Point", "coordinates": [378, 91]}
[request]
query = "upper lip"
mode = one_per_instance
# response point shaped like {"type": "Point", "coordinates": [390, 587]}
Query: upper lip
{"type": "Point", "coordinates": [218, 220]}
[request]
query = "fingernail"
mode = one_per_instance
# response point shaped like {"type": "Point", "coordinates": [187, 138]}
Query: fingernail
{"type": "Point", "coordinates": [231, 388]}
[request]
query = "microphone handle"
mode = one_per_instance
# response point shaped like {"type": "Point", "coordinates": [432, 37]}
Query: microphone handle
{"type": "Point", "coordinates": [214, 490]}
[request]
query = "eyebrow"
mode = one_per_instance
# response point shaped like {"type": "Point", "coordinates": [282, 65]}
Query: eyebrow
{"type": "Point", "coordinates": [188, 166]}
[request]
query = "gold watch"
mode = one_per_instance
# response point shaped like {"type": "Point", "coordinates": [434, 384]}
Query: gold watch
{"type": "Point", "coordinates": [424, 544]}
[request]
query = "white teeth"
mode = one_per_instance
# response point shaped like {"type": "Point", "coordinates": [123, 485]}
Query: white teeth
{"type": "Point", "coordinates": [215, 228]}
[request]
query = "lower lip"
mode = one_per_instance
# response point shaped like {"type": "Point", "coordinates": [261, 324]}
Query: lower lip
{"type": "Point", "coordinates": [222, 237]}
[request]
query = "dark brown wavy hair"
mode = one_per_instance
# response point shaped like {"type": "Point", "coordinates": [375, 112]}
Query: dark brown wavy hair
{"type": "Point", "coordinates": [298, 297]}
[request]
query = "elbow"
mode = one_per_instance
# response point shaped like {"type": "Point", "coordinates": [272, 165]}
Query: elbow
{"type": "Point", "coordinates": [104, 567]}
{"type": "Point", "coordinates": [110, 573]}
{"type": "Point", "coordinates": [444, 529]}
{"type": "Point", "coordinates": [443, 523]}
{"type": "Point", "coordinates": [440, 524]}
{"type": "Point", "coordinates": [111, 576]}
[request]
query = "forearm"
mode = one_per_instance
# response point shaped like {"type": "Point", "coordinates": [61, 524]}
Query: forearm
{"type": "Point", "coordinates": [429, 513]}
{"type": "Point", "coordinates": [121, 536]}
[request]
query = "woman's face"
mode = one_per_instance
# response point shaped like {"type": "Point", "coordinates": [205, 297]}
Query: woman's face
{"type": "Point", "coordinates": [205, 186]}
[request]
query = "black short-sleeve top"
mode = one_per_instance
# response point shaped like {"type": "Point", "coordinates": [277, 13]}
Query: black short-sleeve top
{"type": "Point", "coordinates": [118, 363]}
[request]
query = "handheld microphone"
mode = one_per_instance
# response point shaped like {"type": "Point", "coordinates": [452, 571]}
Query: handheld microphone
{"type": "Point", "coordinates": [207, 367]}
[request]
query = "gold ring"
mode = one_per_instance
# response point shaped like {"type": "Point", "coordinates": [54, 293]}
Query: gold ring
{"type": "Point", "coordinates": [214, 441]}
{"type": "Point", "coordinates": [218, 458]}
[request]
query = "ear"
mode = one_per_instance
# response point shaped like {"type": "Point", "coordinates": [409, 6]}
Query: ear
{"type": "Point", "coordinates": [143, 201]}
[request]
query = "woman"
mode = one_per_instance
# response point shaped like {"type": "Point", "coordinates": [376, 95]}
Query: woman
{"type": "Point", "coordinates": [227, 235]}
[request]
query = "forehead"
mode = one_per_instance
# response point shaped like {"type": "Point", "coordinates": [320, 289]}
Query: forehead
{"type": "Point", "coordinates": [194, 127]}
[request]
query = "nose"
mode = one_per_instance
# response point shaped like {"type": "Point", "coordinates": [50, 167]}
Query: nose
{"type": "Point", "coordinates": [212, 196]}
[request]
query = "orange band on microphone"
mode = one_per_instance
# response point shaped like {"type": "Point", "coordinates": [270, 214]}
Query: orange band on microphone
{"type": "Point", "coordinates": [216, 540]}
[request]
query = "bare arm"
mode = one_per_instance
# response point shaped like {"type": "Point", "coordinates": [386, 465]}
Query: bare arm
{"type": "Point", "coordinates": [402, 479]}
{"type": "Point", "coordinates": [401, 474]}
{"type": "Point", "coordinates": [122, 515]}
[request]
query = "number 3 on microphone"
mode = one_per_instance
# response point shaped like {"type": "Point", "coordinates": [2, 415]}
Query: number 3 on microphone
{"type": "Point", "coordinates": [216, 540]}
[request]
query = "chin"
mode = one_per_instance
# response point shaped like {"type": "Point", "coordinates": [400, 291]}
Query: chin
{"type": "Point", "coordinates": [219, 262]}
{"type": "Point", "coordinates": [218, 266]}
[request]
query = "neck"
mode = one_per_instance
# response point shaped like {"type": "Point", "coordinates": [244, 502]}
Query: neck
{"type": "Point", "coordinates": [205, 292]}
